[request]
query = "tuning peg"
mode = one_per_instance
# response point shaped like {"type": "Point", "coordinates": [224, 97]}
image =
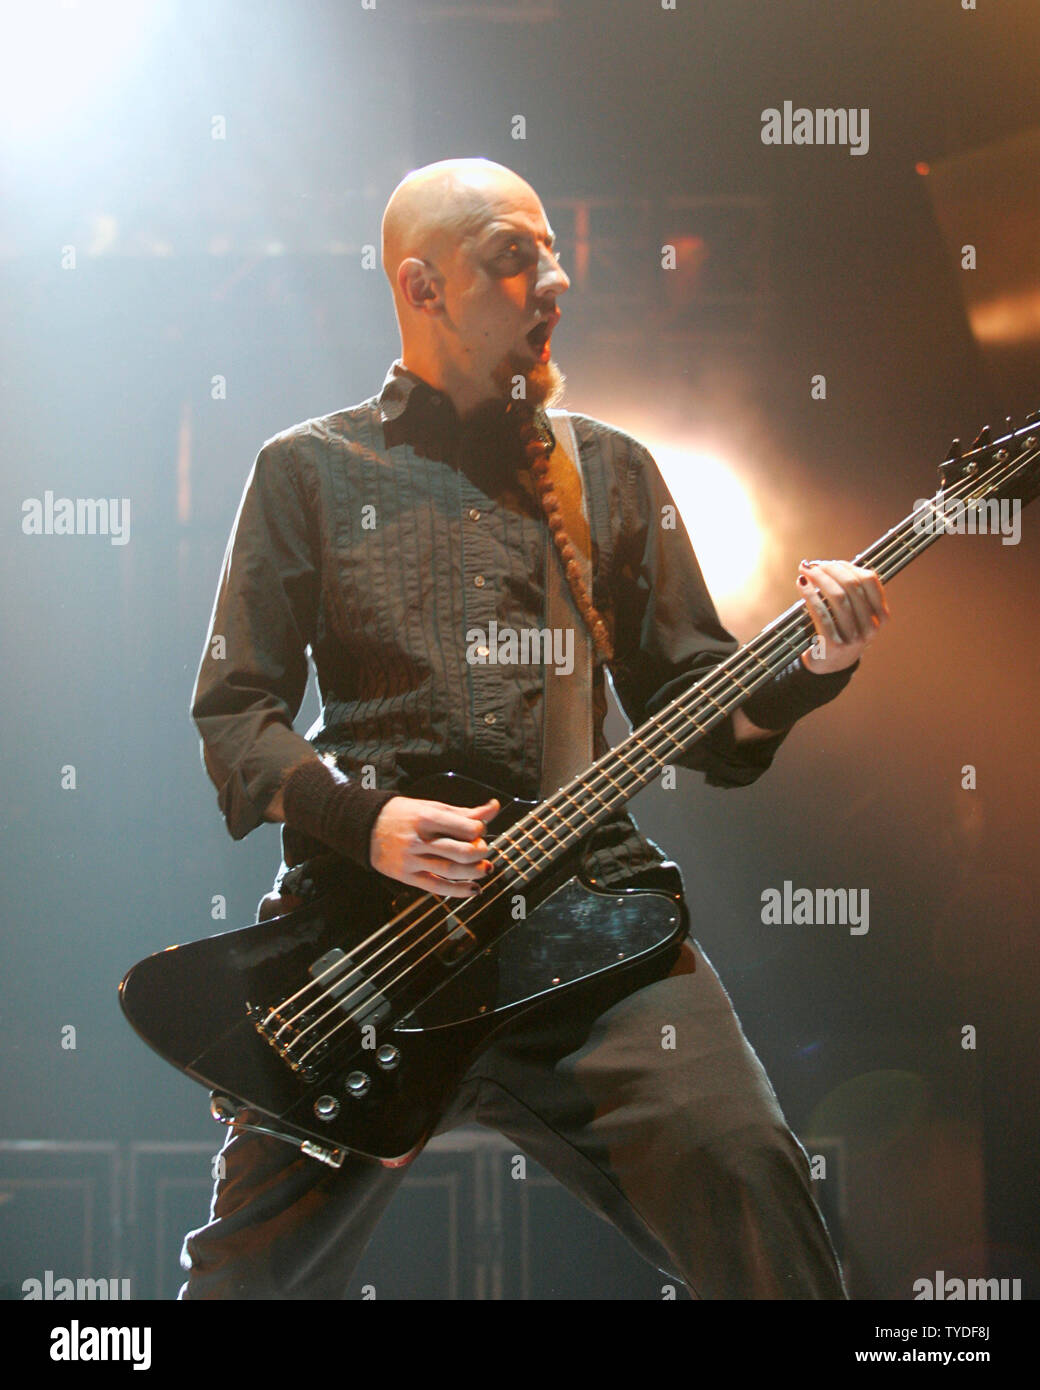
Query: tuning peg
{"type": "Point", "coordinates": [955, 451]}
{"type": "Point", "coordinates": [982, 439]}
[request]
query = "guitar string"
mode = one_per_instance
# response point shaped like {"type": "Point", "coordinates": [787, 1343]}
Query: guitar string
{"type": "Point", "coordinates": [797, 617]}
{"type": "Point", "coordinates": [893, 540]}
{"type": "Point", "coordinates": [887, 543]}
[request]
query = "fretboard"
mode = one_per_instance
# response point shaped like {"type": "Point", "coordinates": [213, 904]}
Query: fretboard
{"type": "Point", "coordinates": [566, 817]}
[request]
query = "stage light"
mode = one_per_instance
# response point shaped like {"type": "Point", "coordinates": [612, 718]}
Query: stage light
{"type": "Point", "coordinates": [61, 55]}
{"type": "Point", "coordinates": [1007, 319]}
{"type": "Point", "coordinates": [720, 516]}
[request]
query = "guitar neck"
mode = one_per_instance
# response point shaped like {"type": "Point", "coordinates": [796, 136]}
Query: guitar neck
{"type": "Point", "coordinates": [566, 817]}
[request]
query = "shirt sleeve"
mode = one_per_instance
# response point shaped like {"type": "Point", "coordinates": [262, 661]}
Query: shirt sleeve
{"type": "Point", "coordinates": [667, 632]}
{"type": "Point", "coordinates": [253, 674]}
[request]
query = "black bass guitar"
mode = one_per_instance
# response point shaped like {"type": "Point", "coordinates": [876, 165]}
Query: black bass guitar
{"type": "Point", "coordinates": [344, 1025]}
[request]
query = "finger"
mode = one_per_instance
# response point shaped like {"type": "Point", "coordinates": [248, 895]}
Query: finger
{"type": "Point", "coordinates": [446, 867]}
{"type": "Point", "coordinates": [429, 883]}
{"type": "Point", "coordinates": [466, 876]}
{"type": "Point", "coordinates": [836, 599]}
{"type": "Point", "coordinates": [867, 597]}
{"type": "Point", "coordinates": [437, 818]}
{"type": "Point", "coordinates": [852, 601]}
{"type": "Point", "coordinates": [869, 581]}
{"type": "Point", "coordinates": [874, 591]}
{"type": "Point", "coordinates": [486, 813]}
{"type": "Point", "coordinates": [456, 851]}
{"type": "Point", "coordinates": [820, 614]}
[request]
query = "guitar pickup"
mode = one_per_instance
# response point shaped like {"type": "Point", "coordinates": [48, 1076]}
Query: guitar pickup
{"type": "Point", "coordinates": [458, 942]}
{"type": "Point", "coordinates": [338, 975]}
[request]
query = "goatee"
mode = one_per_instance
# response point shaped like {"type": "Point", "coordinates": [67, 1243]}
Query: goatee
{"type": "Point", "coordinates": [543, 382]}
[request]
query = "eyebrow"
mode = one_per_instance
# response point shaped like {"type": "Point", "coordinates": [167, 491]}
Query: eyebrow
{"type": "Point", "coordinates": [518, 234]}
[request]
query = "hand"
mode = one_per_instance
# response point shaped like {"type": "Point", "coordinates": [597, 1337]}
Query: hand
{"type": "Point", "coordinates": [847, 605]}
{"type": "Point", "coordinates": [431, 845]}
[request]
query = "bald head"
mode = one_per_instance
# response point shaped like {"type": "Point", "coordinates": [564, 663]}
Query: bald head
{"type": "Point", "coordinates": [434, 209]}
{"type": "Point", "coordinates": [471, 262]}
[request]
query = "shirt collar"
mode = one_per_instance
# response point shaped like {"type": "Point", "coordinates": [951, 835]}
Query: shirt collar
{"type": "Point", "coordinates": [414, 412]}
{"type": "Point", "coordinates": [400, 386]}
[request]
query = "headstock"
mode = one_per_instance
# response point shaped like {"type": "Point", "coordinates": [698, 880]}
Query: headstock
{"type": "Point", "coordinates": [995, 468]}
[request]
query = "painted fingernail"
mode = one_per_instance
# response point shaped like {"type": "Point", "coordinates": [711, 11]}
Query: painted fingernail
{"type": "Point", "coordinates": [803, 581]}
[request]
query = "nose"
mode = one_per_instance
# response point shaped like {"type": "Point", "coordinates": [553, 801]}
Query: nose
{"type": "Point", "coordinates": [552, 278]}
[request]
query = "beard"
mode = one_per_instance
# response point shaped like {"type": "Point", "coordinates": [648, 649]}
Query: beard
{"type": "Point", "coordinates": [492, 428]}
{"type": "Point", "coordinates": [543, 381]}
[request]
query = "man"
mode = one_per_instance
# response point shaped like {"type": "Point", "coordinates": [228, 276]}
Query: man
{"type": "Point", "coordinates": [376, 537]}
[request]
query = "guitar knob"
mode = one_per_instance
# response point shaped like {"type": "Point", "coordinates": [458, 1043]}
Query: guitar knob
{"type": "Point", "coordinates": [388, 1056]}
{"type": "Point", "coordinates": [326, 1108]}
{"type": "Point", "coordinates": [358, 1085]}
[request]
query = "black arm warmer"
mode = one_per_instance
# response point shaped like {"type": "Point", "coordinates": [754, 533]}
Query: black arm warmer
{"type": "Point", "coordinates": [339, 813]}
{"type": "Point", "coordinates": [792, 694]}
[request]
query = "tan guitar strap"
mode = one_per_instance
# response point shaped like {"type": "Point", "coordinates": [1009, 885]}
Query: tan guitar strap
{"type": "Point", "coordinates": [567, 703]}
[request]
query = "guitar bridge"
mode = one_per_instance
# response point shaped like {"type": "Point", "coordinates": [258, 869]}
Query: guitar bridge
{"type": "Point", "coordinates": [302, 1037]}
{"type": "Point", "coordinates": [284, 1034]}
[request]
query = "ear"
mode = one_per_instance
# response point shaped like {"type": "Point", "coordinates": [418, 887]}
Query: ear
{"type": "Point", "coordinates": [420, 284]}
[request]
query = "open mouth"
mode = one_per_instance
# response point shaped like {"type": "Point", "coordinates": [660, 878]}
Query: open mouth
{"type": "Point", "coordinates": [538, 340]}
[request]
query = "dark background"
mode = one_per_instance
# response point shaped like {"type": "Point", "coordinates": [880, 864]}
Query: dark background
{"type": "Point", "coordinates": [198, 257]}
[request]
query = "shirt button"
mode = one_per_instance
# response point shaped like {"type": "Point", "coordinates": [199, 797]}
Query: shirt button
{"type": "Point", "coordinates": [490, 718]}
{"type": "Point", "coordinates": [479, 581]}
{"type": "Point", "coordinates": [474, 513]}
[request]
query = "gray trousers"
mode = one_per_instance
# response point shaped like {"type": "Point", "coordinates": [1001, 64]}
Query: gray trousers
{"type": "Point", "coordinates": [683, 1148]}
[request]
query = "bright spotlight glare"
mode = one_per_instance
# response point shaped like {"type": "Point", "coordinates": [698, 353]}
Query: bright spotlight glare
{"type": "Point", "coordinates": [720, 516]}
{"type": "Point", "coordinates": [57, 54]}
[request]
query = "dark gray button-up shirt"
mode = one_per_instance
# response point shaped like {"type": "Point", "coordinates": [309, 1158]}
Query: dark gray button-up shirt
{"type": "Point", "coordinates": [379, 539]}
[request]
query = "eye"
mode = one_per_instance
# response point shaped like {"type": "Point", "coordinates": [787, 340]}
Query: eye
{"type": "Point", "coordinates": [524, 252]}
